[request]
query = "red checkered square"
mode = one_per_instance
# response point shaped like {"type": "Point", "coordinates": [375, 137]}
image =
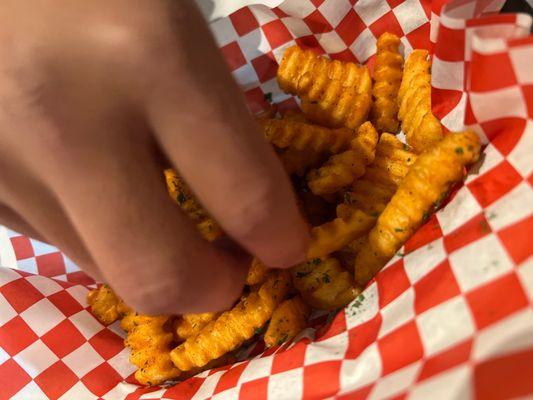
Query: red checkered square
{"type": "Point", "coordinates": [336, 327]}
{"type": "Point", "coordinates": [392, 282]}
{"type": "Point", "coordinates": [185, 389]}
{"type": "Point", "coordinates": [362, 336]}
{"type": "Point", "coordinates": [21, 294]}
{"type": "Point", "coordinates": [507, 377]}
{"type": "Point", "coordinates": [527, 91]}
{"type": "Point", "coordinates": [63, 339]}
{"type": "Point", "coordinates": [400, 348]}
{"type": "Point", "coordinates": [345, 56]}
{"type": "Point", "coordinates": [56, 380]}
{"type": "Point", "coordinates": [496, 300]}
{"type": "Point", "coordinates": [419, 37]}
{"type": "Point", "coordinates": [394, 3]}
{"type": "Point", "coordinates": [317, 22]}
{"type": "Point", "coordinates": [12, 379]}
{"type": "Point", "coordinates": [450, 44]}
{"type": "Point", "coordinates": [101, 379]}
{"type": "Point", "coordinates": [290, 359]}
{"type": "Point", "coordinates": [359, 394]}
{"type": "Point", "coordinates": [51, 264]}
{"type": "Point", "coordinates": [276, 33]}
{"type": "Point", "coordinates": [22, 247]}
{"type": "Point", "coordinates": [517, 239]}
{"type": "Point", "coordinates": [244, 21]}
{"type": "Point", "coordinates": [483, 78]}
{"type": "Point", "coordinates": [107, 343]}
{"type": "Point", "coordinates": [492, 185]}
{"type": "Point", "coordinates": [230, 378]}
{"type": "Point", "coordinates": [504, 133]}
{"type": "Point", "coordinates": [426, 234]}
{"type": "Point", "coordinates": [321, 380]}
{"type": "Point", "coordinates": [473, 230]}
{"type": "Point", "coordinates": [255, 98]}
{"type": "Point", "coordinates": [446, 360]}
{"type": "Point", "coordinates": [233, 55]}
{"type": "Point", "coordinates": [387, 23]}
{"type": "Point", "coordinates": [65, 303]}
{"type": "Point", "coordinates": [350, 27]}
{"type": "Point", "coordinates": [437, 286]}
{"type": "Point", "coordinates": [16, 335]}
{"type": "Point", "coordinates": [80, 278]}
{"type": "Point", "coordinates": [254, 390]}
{"type": "Point", "coordinates": [265, 66]}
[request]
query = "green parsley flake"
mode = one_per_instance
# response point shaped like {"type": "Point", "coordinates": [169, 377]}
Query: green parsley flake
{"type": "Point", "coordinates": [316, 261]}
{"type": "Point", "coordinates": [268, 97]}
{"type": "Point", "coordinates": [459, 150]}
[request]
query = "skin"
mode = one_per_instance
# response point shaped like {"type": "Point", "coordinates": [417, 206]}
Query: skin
{"type": "Point", "coordinates": [95, 97]}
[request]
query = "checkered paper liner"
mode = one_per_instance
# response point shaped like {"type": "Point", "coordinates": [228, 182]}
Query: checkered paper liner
{"type": "Point", "coordinates": [449, 317]}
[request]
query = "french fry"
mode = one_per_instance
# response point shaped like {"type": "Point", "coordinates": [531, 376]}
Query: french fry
{"type": "Point", "coordinates": [333, 93]}
{"type": "Point", "coordinates": [150, 340]}
{"type": "Point", "coordinates": [106, 305]}
{"type": "Point", "coordinates": [191, 324]}
{"type": "Point", "coordinates": [302, 136]}
{"type": "Point", "coordinates": [342, 169]}
{"type": "Point", "coordinates": [422, 129]}
{"type": "Point", "coordinates": [373, 191]}
{"type": "Point", "coordinates": [387, 80]}
{"type": "Point", "coordinates": [256, 273]}
{"type": "Point", "coordinates": [324, 284]}
{"type": "Point", "coordinates": [333, 235]}
{"type": "Point", "coordinates": [233, 327]}
{"type": "Point", "coordinates": [288, 319]}
{"type": "Point", "coordinates": [417, 195]}
{"type": "Point", "coordinates": [183, 196]}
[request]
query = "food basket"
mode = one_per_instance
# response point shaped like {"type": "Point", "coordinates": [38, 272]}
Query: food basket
{"type": "Point", "coordinates": [449, 317]}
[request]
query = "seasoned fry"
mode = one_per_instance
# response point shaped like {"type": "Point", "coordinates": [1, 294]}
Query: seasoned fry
{"type": "Point", "coordinates": [342, 169]}
{"type": "Point", "coordinates": [106, 305]}
{"type": "Point", "coordinates": [233, 327]}
{"type": "Point", "coordinates": [289, 319]}
{"type": "Point", "coordinates": [191, 324]}
{"type": "Point", "coordinates": [415, 198]}
{"type": "Point", "coordinates": [307, 137]}
{"type": "Point", "coordinates": [324, 284]}
{"type": "Point", "coordinates": [422, 129]}
{"type": "Point", "coordinates": [387, 80]}
{"type": "Point", "coordinates": [333, 93]}
{"type": "Point", "coordinates": [183, 196]}
{"type": "Point", "coordinates": [150, 342]}
{"type": "Point", "coordinates": [257, 272]}
{"type": "Point", "coordinates": [373, 191]}
{"type": "Point", "coordinates": [333, 235]}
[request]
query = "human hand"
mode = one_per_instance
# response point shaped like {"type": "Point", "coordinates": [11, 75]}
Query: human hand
{"type": "Point", "coordinates": [93, 95]}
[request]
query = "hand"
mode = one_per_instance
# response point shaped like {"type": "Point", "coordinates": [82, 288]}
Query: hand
{"type": "Point", "coordinates": [93, 95]}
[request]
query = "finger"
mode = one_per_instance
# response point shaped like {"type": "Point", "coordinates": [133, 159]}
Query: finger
{"type": "Point", "coordinates": [204, 127]}
{"type": "Point", "coordinates": [44, 220]}
{"type": "Point", "coordinates": [15, 222]}
{"type": "Point", "coordinates": [146, 248]}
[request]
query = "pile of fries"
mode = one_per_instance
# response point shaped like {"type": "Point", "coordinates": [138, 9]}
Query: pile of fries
{"type": "Point", "coordinates": [363, 191]}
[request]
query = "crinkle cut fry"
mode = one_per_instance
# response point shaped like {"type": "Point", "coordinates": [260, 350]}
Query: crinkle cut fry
{"type": "Point", "coordinates": [422, 189]}
{"type": "Point", "coordinates": [422, 129]}
{"type": "Point", "coordinates": [233, 327]}
{"type": "Point", "coordinates": [150, 339]}
{"type": "Point", "coordinates": [324, 284]}
{"type": "Point", "coordinates": [333, 235]}
{"type": "Point", "coordinates": [191, 324]}
{"type": "Point", "coordinates": [288, 319]}
{"type": "Point", "coordinates": [256, 273]}
{"type": "Point", "coordinates": [387, 79]}
{"type": "Point", "coordinates": [303, 136]}
{"type": "Point", "coordinates": [342, 169]}
{"type": "Point", "coordinates": [333, 93]}
{"type": "Point", "coordinates": [106, 305]}
{"type": "Point", "coordinates": [183, 196]}
{"type": "Point", "coordinates": [376, 187]}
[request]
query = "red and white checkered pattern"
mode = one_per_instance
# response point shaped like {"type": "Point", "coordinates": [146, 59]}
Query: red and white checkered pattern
{"type": "Point", "coordinates": [450, 316]}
